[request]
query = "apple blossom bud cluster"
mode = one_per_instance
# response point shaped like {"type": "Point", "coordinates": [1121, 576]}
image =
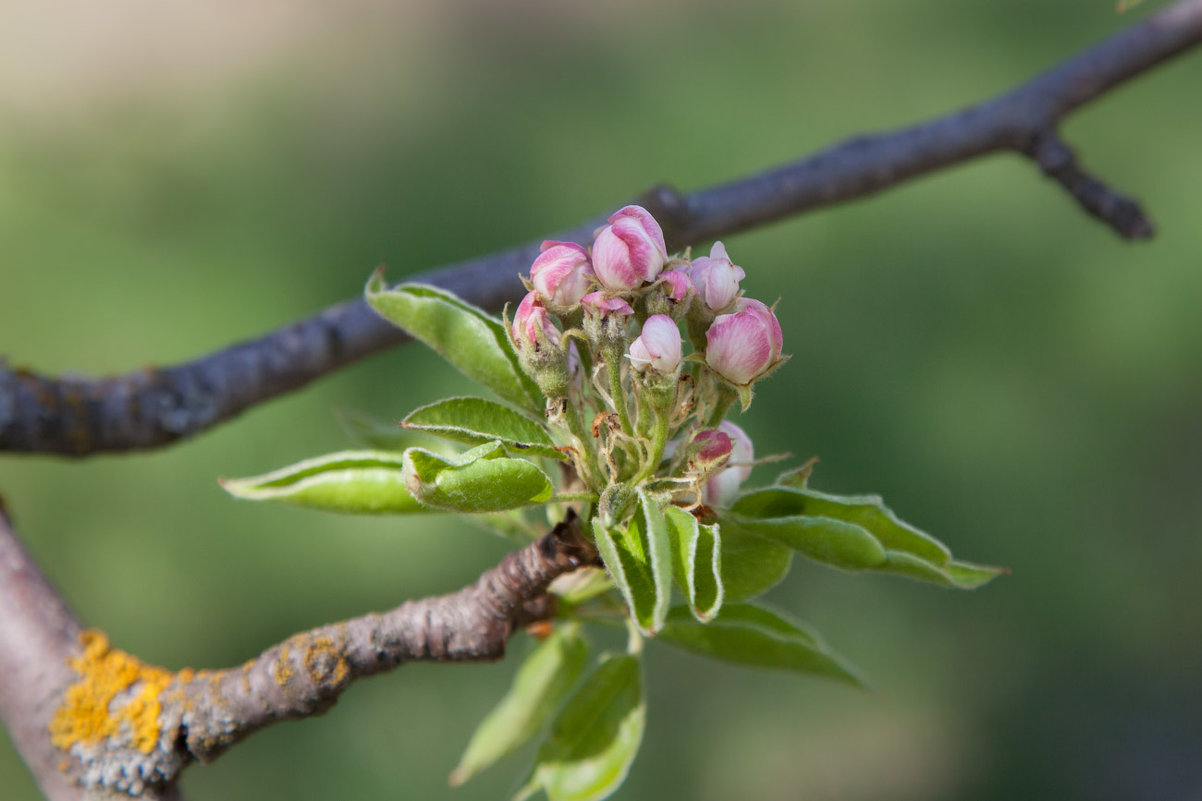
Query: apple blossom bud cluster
{"type": "Point", "coordinates": [600, 333]}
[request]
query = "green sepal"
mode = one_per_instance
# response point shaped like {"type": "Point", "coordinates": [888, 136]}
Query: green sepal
{"type": "Point", "coordinates": [639, 559]}
{"type": "Point", "coordinates": [473, 341]}
{"type": "Point", "coordinates": [755, 636]}
{"type": "Point", "coordinates": [545, 678]}
{"type": "Point", "coordinates": [595, 738]}
{"type": "Point", "coordinates": [364, 482]}
{"type": "Point", "coordinates": [696, 562]}
{"type": "Point", "coordinates": [482, 479]}
{"type": "Point", "coordinates": [866, 511]}
{"type": "Point", "coordinates": [476, 421]}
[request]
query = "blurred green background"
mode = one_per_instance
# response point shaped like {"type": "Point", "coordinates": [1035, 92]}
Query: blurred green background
{"type": "Point", "coordinates": [1005, 371]}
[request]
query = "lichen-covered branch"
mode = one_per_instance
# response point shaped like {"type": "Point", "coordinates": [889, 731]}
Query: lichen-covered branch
{"type": "Point", "coordinates": [77, 415]}
{"type": "Point", "coordinates": [39, 642]}
{"type": "Point", "coordinates": [132, 727]}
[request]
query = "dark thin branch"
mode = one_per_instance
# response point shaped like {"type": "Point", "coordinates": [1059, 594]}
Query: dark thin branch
{"type": "Point", "coordinates": [199, 714]}
{"type": "Point", "coordinates": [38, 637]}
{"type": "Point", "coordinates": [78, 416]}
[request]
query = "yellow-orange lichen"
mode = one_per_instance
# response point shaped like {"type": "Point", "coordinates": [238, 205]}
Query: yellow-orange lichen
{"type": "Point", "coordinates": [87, 715]}
{"type": "Point", "coordinates": [325, 663]}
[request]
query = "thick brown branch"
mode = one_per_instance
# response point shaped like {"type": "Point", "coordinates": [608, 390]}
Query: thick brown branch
{"type": "Point", "coordinates": [79, 415]}
{"type": "Point", "coordinates": [38, 637]}
{"type": "Point", "coordinates": [198, 714]}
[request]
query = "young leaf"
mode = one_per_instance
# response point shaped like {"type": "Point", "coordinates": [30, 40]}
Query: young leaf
{"type": "Point", "coordinates": [474, 342]}
{"type": "Point", "coordinates": [696, 562]}
{"type": "Point", "coordinates": [834, 542]}
{"type": "Point", "coordinates": [866, 511]}
{"type": "Point", "coordinates": [370, 482]}
{"type": "Point", "coordinates": [758, 637]}
{"type": "Point", "coordinates": [751, 565]}
{"type": "Point", "coordinates": [476, 421]}
{"type": "Point", "coordinates": [373, 432]}
{"type": "Point", "coordinates": [639, 560]}
{"type": "Point", "coordinates": [480, 480]}
{"type": "Point", "coordinates": [955, 575]}
{"type": "Point", "coordinates": [541, 683]}
{"type": "Point", "coordinates": [595, 738]}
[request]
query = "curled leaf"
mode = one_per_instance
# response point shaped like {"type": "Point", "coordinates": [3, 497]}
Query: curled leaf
{"type": "Point", "coordinates": [482, 479]}
{"type": "Point", "coordinates": [696, 562]}
{"type": "Point", "coordinates": [367, 482]}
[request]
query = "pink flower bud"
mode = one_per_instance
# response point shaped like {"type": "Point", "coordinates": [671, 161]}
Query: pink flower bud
{"type": "Point", "coordinates": [630, 250]}
{"type": "Point", "coordinates": [745, 344]}
{"type": "Point", "coordinates": [561, 274]}
{"type": "Point", "coordinates": [722, 488]}
{"type": "Point", "coordinates": [658, 347]}
{"type": "Point", "coordinates": [714, 446]}
{"type": "Point", "coordinates": [677, 284]}
{"type": "Point", "coordinates": [605, 306]}
{"type": "Point", "coordinates": [529, 319]}
{"type": "Point", "coordinates": [716, 278]}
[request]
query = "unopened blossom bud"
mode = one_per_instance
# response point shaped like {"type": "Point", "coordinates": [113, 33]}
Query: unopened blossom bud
{"type": "Point", "coordinates": [744, 345]}
{"type": "Point", "coordinates": [658, 347]}
{"type": "Point", "coordinates": [723, 486]}
{"type": "Point", "coordinates": [529, 320]}
{"type": "Point", "coordinates": [598, 303]}
{"type": "Point", "coordinates": [713, 446]}
{"type": "Point", "coordinates": [561, 274]}
{"type": "Point", "coordinates": [677, 285]}
{"type": "Point", "coordinates": [630, 250]}
{"type": "Point", "coordinates": [716, 278]}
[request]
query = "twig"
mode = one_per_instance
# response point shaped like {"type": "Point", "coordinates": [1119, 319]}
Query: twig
{"type": "Point", "coordinates": [165, 721]}
{"type": "Point", "coordinates": [78, 416]}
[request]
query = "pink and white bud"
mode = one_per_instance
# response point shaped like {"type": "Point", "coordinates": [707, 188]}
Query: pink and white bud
{"type": "Point", "coordinates": [658, 347]}
{"type": "Point", "coordinates": [677, 284]}
{"type": "Point", "coordinates": [722, 487]}
{"type": "Point", "coordinates": [716, 278]}
{"type": "Point", "coordinates": [561, 274]}
{"type": "Point", "coordinates": [605, 306]}
{"type": "Point", "coordinates": [630, 250]}
{"type": "Point", "coordinates": [530, 318]}
{"type": "Point", "coordinates": [713, 447]}
{"type": "Point", "coordinates": [745, 344]}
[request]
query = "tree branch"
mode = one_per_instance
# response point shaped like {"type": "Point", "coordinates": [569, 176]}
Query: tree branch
{"type": "Point", "coordinates": [131, 727]}
{"type": "Point", "coordinates": [39, 636]}
{"type": "Point", "coordinates": [78, 416]}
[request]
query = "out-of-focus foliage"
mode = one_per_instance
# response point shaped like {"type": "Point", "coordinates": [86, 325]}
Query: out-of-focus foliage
{"type": "Point", "coordinates": [997, 365]}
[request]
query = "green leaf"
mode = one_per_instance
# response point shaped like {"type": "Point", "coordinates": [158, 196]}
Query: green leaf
{"type": "Point", "coordinates": [370, 482]}
{"type": "Point", "coordinates": [955, 575]}
{"type": "Point", "coordinates": [834, 542]}
{"type": "Point", "coordinates": [476, 421]}
{"type": "Point", "coordinates": [758, 637]}
{"type": "Point", "coordinates": [751, 565]}
{"type": "Point", "coordinates": [639, 560]}
{"type": "Point", "coordinates": [866, 511]}
{"type": "Point", "coordinates": [596, 736]}
{"type": "Point", "coordinates": [373, 432]}
{"type": "Point", "coordinates": [541, 683]}
{"type": "Point", "coordinates": [696, 562]}
{"type": "Point", "coordinates": [480, 480]}
{"type": "Point", "coordinates": [474, 342]}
